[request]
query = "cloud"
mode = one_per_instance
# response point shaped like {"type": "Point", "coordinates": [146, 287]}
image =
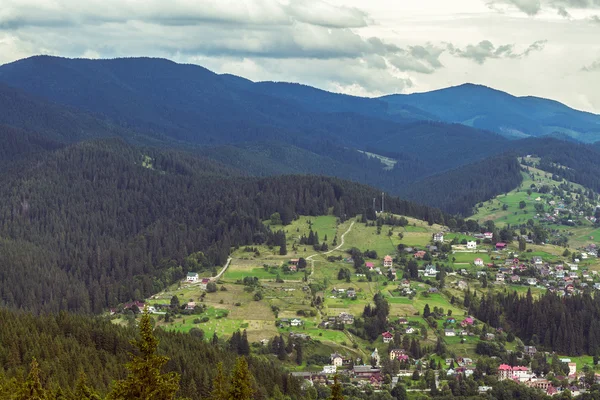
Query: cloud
{"type": "Point", "coordinates": [595, 66]}
{"type": "Point", "coordinates": [595, 18]}
{"type": "Point", "coordinates": [563, 12]}
{"type": "Point", "coordinates": [529, 7]}
{"type": "Point", "coordinates": [485, 50]}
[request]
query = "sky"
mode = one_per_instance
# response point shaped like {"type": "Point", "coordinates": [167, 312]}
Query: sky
{"type": "Point", "coordinates": [545, 48]}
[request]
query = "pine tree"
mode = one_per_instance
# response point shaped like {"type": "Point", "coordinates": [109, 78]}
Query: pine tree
{"type": "Point", "coordinates": [145, 380]}
{"type": "Point", "coordinates": [219, 391]}
{"type": "Point", "coordinates": [241, 381]}
{"type": "Point", "coordinates": [83, 391]}
{"type": "Point", "coordinates": [336, 390]}
{"type": "Point", "coordinates": [32, 389]}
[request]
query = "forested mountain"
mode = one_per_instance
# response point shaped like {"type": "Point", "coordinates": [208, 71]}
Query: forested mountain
{"type": "Point", "coordinates": [102, 222]}
{"type": "Point", "coordinates": [497, 111]}
{"type": "Point", "coordinates": [458, 190]}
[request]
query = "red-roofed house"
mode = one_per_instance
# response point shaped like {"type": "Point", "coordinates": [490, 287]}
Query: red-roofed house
{"type": "Point", "coordinates": [478, 262]}
{"type": "Point", "coordinates": [388, 261]}
{"type": "Point", "coordinates": [467, 322]}
{"type": "Point", "coordinates": [204, 283]}
{"type": "Point", "coordinates": [500, 246]}
{"type": "Point", "coordinates": [419, 254]}
{"type": "Point", "coordinates": [387, 337]}
{"type": "Point", "coordinates": [488, 235]}
{"type": "Point", "coordinates": [369, 265]}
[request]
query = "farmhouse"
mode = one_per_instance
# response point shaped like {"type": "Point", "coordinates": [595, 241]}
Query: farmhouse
{"type": "Point", "coordinates": [478, 262]}
{"type": "Point", "coordinates": [337, 359]}
{"type": "Point", "coordinates": [192, 277]}
{"type": "Point", "coordinates": [296, 322]}
{"type": "Point", "coordinates": [294, 261]}
{"type": "Point", "coordinates": [346, 319]}
{"type": "Point", "coordinates": [438, 237]}
{"type": "Point", "coordinates": [370, 265]}
{"type": "Point", "coordinates": [466, 322]}
{"type": "Point", "coordinates": [387, 337]}
{"type": "Point", "coordinates": [430, 271]}
{"type": "Point", "coordinates": [190, 306]}
{"type": "Point", "coordinates": [449, 332]}
{"type": "Point", "coordinates": [488, 235]}
{"type": "Point", "coordinates": [410, 330]}
{"type": "Point", "coordinates": [204, 283]}
{"type": "Point", "coordinates": [398, 354]}
{"type": "Point", "coordinates": [388, 261]}
{"type": "Point", "coordinates": [471, 245]}
{"type": "Point", "coordinates": [500, 246]}
{"type": "Point", "coordinates": [530, 350]}
{"type": "Point", "coordinates": [419, 254]}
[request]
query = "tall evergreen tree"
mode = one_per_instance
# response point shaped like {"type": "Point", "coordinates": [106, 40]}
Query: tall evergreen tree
{"type": "Point", "coordinates": [32, 389]}
{"type": "Point", "coordinates": [336, 390]}
{"type": "Point", "coordinates": [145, 379]}
{"type": "Point", "coordinates": [241, 387]}
{"type": "Point", "coordinates": [219, 391]}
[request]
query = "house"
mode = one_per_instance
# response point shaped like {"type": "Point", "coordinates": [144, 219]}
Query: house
{"type": "Point", "coordinates": [450, 320]}
{"type": "Point", "coordinates": [572, 368]}
{"type": "Point", "coordinates": [467, 322]}
{"type": "Point", "coordinates": [404, 321]}
{"type": "Point", "coordinates": [136, 303]}
{"type": "Point", "coordinates": [329, 369]}
{"type": "Point", "coordinates": [430, 271]}
{"type": "Point", "coordinates": [531, 281]}
{"type": "Point", "coordinates": [537, 260]}
{"type": "Point", "coordinates": [478, 262]}
{"type": "Point", "coordinates": [293, 268]}
{"type": "Point", "coordinates": [462, 285]}
{"type": "Point", "coordinates": [449, 332]}
{"type": "Point", "coordinates": [351, 293]}
{"type": "Point", "coordinates": [204, 283]}
{"type": "Point", "coordinates": [488, 235]}
{"type": "Point", "coordinates": [419, 254]}
{"type": "Point", "coordinates": [346, 319]}
{"type": "Point", "coordinates": [296, 322]}
{"type": "Point", "coordinates": [500, 246]}
{"type": "Point", "coordinates": [530, 350]}
{"type": "Point", "coordinates": [192, 277]}
{"type": "Point", "coordinates": [438, 237]}
{"type": "Point", "coordinates": [388, 261]}
{"type": "Point", "coordinates": [294, 261]}
{"type": "Point", "coordinates": [490, 336]}
{"type": "Point", "coordinates": [398, 354]}
{"type": "Point", "coordinates": [337, 360]}
{"type": "Point", "coordinates": [471, 245]}
{"type": "Point", "coordinates": [519, 373]}
{"type": "Point", "coordinates": [410, 330]}
{"type": "Point", "coordinates": [515, 279]}
{"type": "Point", "coordinates": [190, 306]}
{"type": "Point", "coordinates": [365, 371]}
{"type": "Point", "coordinates": [387, 337]}
{"type": "Point", "coordinates": [500, 278]}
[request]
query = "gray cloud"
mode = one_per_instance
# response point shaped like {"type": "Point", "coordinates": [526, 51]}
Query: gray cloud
{"type": "Point", "coordinates": [485, 50]}
{"type": "Point", "coordinates": [595, 18]}
{"type": "Point", "coordinates": [595, 66]}
{"type": "Point", "coordinates": [562, 11]}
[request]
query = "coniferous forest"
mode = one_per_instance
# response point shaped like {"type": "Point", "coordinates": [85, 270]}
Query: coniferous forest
{"type": "Point", "coordinates": [101, 223]}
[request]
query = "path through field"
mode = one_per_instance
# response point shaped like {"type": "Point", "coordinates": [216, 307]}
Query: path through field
{"type": "Point", "coordinates": [310, 258]}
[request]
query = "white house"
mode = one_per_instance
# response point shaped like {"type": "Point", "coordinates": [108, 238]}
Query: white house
{"type": "Point", "coordinates": [449, 332]}
{"type": "Point", "coordinates": [410, 330]}
{"type": "Point", "coordinates": [488, 235]}
{"type": "Point", "coordinates": [388, 261]}
{"type": "Point", "coordinates": [337, 360]}
{"type": "Point", "coordinates": [531, 281]}
{"type": "Point", "coordinates": [438, 237]}
{"type": "Point", "coordinates": [500, 277]}
{"type": "Point", "coordinates": [478, 262]}
{"type": "Point", "coordinates": [430, 271]}
{"type": "Point", "coordinates": [471, 245]}
{"type": "Point", "coordinates": [329, 369]}
{"type": "Point", "coordinates": [296, 322]}
{"type": "Point", "coordinates": [192, 277]}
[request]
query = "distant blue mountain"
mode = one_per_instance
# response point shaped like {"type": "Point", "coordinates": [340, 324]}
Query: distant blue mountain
{"type": "Point", "coordinates": [514, 117]}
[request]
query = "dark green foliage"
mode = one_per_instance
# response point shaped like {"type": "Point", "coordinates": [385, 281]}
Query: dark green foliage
{"type": "Point", "coordinates": [95, 228]}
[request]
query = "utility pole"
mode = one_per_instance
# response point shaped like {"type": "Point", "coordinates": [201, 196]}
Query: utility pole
{"type": "Point", "coordinates": [382, 202]}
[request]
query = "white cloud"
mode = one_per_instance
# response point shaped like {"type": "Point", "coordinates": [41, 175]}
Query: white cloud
{"type": "Point", "coordinates": [357, 47]}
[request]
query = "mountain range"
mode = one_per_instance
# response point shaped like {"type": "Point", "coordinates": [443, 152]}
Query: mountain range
{"type": "Point", "coordinates": [397, 143]}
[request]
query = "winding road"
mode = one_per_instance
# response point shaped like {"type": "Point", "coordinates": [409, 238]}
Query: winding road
{"type": "Point", "coordinates": [310, 258]}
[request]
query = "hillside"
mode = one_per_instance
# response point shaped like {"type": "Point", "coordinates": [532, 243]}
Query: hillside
{"type": "Point", "coordinates": [102, 222]}
{"type": "Point", "coordinates": [514, 117]}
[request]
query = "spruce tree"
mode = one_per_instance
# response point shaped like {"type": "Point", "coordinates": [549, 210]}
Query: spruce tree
{"type": "Point", "coordinates": [241, 387]}
{"type": "Point", "coordinates": [145, 379]}
{"type": "Point", "coordinates": [83, 391]}
{"type": "Point", "coordinates": [219, 391]}
{"type": "Point", "coordinates": [336, 390]}
{"type": "Point", "coordinates": [32, 389]}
